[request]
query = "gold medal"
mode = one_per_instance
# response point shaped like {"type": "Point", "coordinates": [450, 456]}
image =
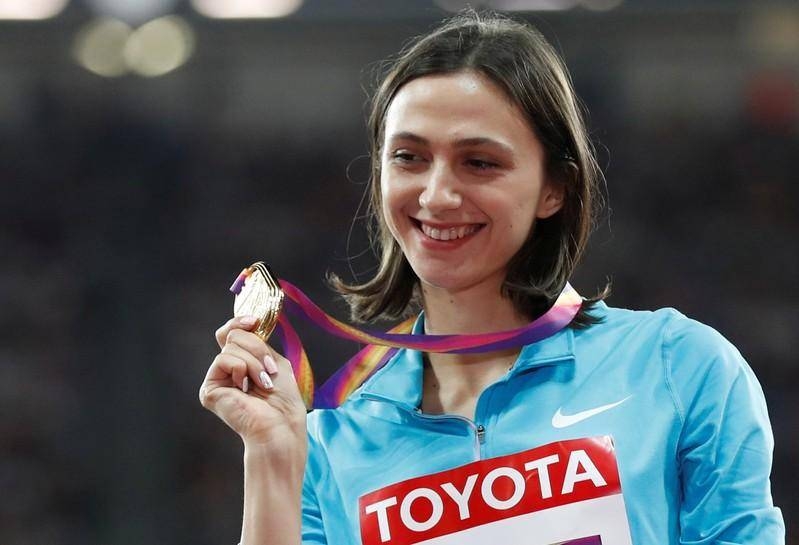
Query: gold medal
{"type": "Point", "coordinates": [258, 294]}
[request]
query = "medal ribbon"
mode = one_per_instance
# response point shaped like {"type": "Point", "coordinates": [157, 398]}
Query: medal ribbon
{"type": "Point", "coordinates": [381, 346]}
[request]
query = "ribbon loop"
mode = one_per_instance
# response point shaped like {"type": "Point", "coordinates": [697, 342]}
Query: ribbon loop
{"type": "Point", "coordinates": [381, 346]}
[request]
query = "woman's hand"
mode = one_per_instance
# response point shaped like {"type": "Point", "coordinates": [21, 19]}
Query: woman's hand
{"type": "Point", "coordinates": [252, 389]}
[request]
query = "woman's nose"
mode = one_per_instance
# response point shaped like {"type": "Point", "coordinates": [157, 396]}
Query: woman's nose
{"type": "Point", "coordinates": [441, 192]}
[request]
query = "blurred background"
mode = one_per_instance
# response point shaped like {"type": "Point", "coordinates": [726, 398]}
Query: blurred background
{"type": "Point", "coordinates": [150, 149]}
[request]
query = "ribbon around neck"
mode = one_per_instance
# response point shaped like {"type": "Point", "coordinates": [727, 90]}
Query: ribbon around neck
{"type": "Point", "coordinates": [381, 346]}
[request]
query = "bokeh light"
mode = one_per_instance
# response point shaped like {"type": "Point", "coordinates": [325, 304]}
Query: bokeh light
{"type": "Point", "coordinates": [132, 12]}
{"type": "Point", "coordinates": [160, 46]}
{"type": "Point", "coordinates": [246, 9]}
{"type": "Point", "coordinates": [31, 9]}
{"type": "Point", "coordinates": [99, 47]}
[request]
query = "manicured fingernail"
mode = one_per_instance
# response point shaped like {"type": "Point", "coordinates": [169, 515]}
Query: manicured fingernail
{"type": "Point", "coordinates": [248, 320]}
{"type": "Point", "coordinates": [266, 381]}
{"type": "Point", "coordinates": [269, 363]}
{"type": "Point", "coordinates": [245, 384]}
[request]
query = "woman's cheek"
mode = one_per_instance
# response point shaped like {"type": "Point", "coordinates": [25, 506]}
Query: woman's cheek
{"type": "Point", "coordinates": [392, 202]}
{"type": "Point", "coordinates": [388, 214]}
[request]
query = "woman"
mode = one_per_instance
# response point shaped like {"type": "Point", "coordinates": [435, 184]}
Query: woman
{"type": "Point", "coordinates": [625, 427]}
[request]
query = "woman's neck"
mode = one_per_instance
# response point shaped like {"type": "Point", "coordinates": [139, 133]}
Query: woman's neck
{"type": "Point", "coordinates": [478, 309]}
{"type": "Point", "coordinates": [453, 382]}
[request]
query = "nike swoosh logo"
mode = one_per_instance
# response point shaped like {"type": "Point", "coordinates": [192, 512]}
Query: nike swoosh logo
{"type": "Point", "coordinates": [560, 420]}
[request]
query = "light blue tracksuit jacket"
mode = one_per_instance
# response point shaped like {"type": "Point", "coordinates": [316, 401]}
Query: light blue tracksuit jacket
{"type": "Point", "coordinates": [686, 414]}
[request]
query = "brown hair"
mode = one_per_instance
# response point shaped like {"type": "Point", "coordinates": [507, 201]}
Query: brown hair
{"type": "Point", "coordinates": [518, 59]}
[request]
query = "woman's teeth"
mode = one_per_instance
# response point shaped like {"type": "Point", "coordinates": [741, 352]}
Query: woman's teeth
{"type": "Point", "coordinates": [452, 233]}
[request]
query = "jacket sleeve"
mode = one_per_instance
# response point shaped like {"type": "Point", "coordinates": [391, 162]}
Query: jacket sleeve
{"type": "Point", "coordinates": [725, 446]}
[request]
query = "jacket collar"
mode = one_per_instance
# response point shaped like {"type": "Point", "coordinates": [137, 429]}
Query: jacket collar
{"type": "Point", "coordinates": [400, 380]}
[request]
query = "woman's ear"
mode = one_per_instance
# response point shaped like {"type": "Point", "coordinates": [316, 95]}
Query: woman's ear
{"type": "Point", "coordinates": [553, 194]}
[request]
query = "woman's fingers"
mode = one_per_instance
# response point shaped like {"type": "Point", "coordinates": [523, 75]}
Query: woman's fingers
{"type": "Point", "coordinates": [243, 389]}
{"type": "Point", "coordinates": [261, 361]}
{"type": "Point", "coordinates": [245, 323]}
{"type": "Point", "coordinates": [238, 331]}
{"type": "Point", "coordinates": [257, 369]}
{"type": "Point", "coordinates": [226, 371]}
{"type": "Point", "coordinates": [248, 341]}
{"type": "Point", "coordinates": [270, 364]}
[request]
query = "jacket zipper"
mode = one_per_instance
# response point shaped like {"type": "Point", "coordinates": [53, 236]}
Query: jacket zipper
{"type": "Point", "coordinates": [478, 429]}
{"type": "Point", "coordinates": [481, 434]}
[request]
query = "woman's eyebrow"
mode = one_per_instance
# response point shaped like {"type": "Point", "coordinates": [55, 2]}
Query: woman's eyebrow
{"type": "Point", "coordinates": [406, 135]}
{"type": "Point", "coordinates": [460, 143]}
{"type": "Point", "coordinates": [483, 141]}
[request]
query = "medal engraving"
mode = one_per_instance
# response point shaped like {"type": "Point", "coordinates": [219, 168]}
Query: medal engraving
{"type": "Point", "coordinates": [258, 294]}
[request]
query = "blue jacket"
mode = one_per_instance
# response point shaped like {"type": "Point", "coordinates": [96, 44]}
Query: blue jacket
{"type": "Point", "coordinates": [687, 416]}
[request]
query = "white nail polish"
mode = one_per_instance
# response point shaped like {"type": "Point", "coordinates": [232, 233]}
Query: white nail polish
{"type": "Point", "coordinates": [266, 381]}
{"type": "Point", "coordinates": [269, 363]}
{"type": "Point", "coordinates": [245, 384]}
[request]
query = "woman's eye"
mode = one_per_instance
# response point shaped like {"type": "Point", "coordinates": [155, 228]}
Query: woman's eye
{"type": "Point", "coordinates": [405, 156]}
{"type": "Point", "coordinates": [481, 164]}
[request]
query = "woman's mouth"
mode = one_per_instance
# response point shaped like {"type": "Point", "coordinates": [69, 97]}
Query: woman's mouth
{"type": "Point", "coordinates": [449, 232]}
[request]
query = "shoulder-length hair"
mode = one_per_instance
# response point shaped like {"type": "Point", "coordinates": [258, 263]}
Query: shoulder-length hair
{"type": "Point", "coordinates": [519, 60]}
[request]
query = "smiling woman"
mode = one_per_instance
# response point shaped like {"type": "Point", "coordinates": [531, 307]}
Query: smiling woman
{"type": "Point", "coordinates": [618, 427]}
{"type": "Point", "coordinates": [532, 90]}
{"type": "Point", "coordinates": [460, 158]}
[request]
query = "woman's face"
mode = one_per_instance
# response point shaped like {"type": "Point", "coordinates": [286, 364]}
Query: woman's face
{"type": "Point", "coordinates": [463, 179]}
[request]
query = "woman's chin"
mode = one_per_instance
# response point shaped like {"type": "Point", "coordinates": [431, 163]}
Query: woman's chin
{"type": "Point", "coordinates": [454, 284]}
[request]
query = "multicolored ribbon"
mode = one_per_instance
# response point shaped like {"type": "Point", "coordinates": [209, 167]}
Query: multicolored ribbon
{"type": "Point", "coordinates": [383, 345]}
